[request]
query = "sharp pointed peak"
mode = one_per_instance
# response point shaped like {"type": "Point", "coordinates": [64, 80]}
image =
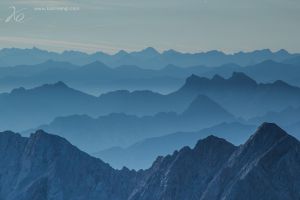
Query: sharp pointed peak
{"type": "Point", "coordinates": [60, 84]}
{"type": "Point", "coordinates": [267, 133]}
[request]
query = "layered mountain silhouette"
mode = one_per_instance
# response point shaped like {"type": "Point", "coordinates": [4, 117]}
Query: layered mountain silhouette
{"type": "Point", "coordinates": [141, 154]}
{"type": "Point", "coordinates": [42, 104]}
{"type": "Point", "coordinates": [147, 58]}
{"type": "Point", "coordinates": [46, 102]}
{"type": "Point", "coordinates": [241, 95]}
{"type": "Point", "coordinates": [97, 77]}
{"type": "Point", "coordinates": [117, 129]}
{"type": "Point", "coordinates": [45, 166]}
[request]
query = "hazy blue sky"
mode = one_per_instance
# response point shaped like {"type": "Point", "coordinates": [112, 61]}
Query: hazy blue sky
{"type": "Point", "coordinates": [186, 25]}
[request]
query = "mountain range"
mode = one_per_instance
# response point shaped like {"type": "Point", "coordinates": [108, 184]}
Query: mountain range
{"type": "Point", "coordinates": [118, 129]}
{"type": "Point", "coordinates": [141, 154]}
{"type": "Point", "coordinates": [45, 166]}
{"type": "Point", "coordinates": [146, 58]}
{"type": "Point", "coordinates": [239, 95]}
{"type": "Point", "coordinates": [96, 77]}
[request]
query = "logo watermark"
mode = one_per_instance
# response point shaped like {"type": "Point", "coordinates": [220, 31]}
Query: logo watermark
{"type": "Point", "coordinates": [15, 16]}
{"type": "Point", "coordinates": [19, 15]}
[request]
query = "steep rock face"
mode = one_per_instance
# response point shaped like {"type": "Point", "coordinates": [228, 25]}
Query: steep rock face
{"type": "Point", "coordinates": [267, 166]}
{"type": "Point", "coordinates": [48, 167]}
{"type": "Point", "coordinates": [185, 174]}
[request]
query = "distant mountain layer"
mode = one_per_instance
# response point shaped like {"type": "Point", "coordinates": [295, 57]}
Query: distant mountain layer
{"type": "Point", "coordinates": [147, 58]}
{"type": "Point", "coordinates": [45, 167]}
{"type": "Point", "coordinates": [141, 154]}
{"type": "Point", "coordinates": [239, 95]}
{"type": "Point", "coordinates": [99, 78]}
{"type": "Point", "coordinates": [96, 77]}
{"type": "Point", "coordinates": [94, 134]}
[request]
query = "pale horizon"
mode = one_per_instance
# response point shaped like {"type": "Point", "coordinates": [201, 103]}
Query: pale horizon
{"type": "Point", "coordinates": [187, 26]}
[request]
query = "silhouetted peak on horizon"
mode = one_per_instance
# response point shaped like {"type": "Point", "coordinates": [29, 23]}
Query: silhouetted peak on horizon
{"type": "Point", "coordinates": [121, 53]}
{"type": "Point", "coordinates": [148, 52]}
{"type": "Point", "coordinates": [171, 52]}
{"type": "Point", "coordinates": [218, 78]}
{"type": "Point", "coordinates": [214, 53]}
{"type": "Point", "coordinates": [241, 78]}
{"type": "Point", "coordinates": [238, 78]}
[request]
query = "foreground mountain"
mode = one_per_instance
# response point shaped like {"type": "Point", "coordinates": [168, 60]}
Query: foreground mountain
{"type": "Point", "coordinates": [45, 166]}
{"type": "Point", "coordinates": [271, 158]}
{"type": "Point", "coordinates": [117, 129]}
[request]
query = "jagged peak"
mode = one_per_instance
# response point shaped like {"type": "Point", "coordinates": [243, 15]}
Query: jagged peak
{"type": "Point", "coordinates": [60, 84]}
{"type": "Point", "coordinates": [212, 142]}
{"type": "Point", "coordinates": [50, 139]}
{"type": "Point", "coordinates": [267, 133]}
{"type": "Point", "coordinates": [239, 77]}
{"type": "Point", "coordinates": [217, 77]}
{"type": "Point", "coordinates": [195, 79]}
{"type": "Point", "coordinates": [9, 134]}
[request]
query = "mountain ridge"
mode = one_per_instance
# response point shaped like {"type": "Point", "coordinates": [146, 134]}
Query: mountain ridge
{"type": "Point", "coordinates": [49, 167]}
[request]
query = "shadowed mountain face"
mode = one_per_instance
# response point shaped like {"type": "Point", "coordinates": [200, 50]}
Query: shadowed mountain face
{"type": "Point", "coordinates": [241, 95]}
{"type": "Point", "coordinates": [94, 134]}
{"type": "Point", "coordinates": [48, 167]}
{"type": "Point", "coordinates": [224, 172]}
